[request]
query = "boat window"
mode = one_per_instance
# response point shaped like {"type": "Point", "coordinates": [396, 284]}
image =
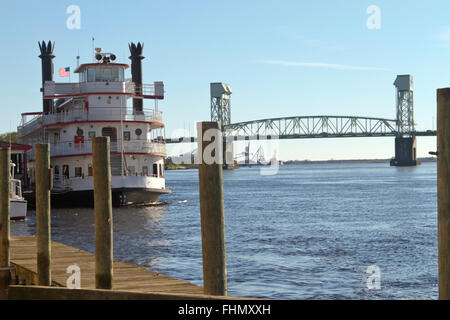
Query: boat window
{"type": "Point", "coordinates": [78, 171]}
{"type": "Point", "coordinates": [155, 169]}
{"type": "Point", "coordinates": [145, 170]}
{"type": "Point", "coordinates": [91, 134]}
{"type": "Point", "coordinates": [65, 170]}
{"type": "Point", "coordinates": [126, 135]}
{"type": "Point", "coordinates": [110, 132]}
{"type": "Point", "coordinates": [90, 170]}
{"type": "Point", "coordinates": [90, 74]}
{"type": "Point", "coordinates": [107, 74]}
{"type": "Point", "coordinates": [132, 170]}
{"type": "Point", "coordinates": [56, 170]}
{"type": "Point", "coordinates": [82, 76]}
{"type": "Point", "coordinates": [138, 133]}
{"type": "Point", "coordinates": [115, 74]}
{"type": "Point", "coordinates": [161, 173]}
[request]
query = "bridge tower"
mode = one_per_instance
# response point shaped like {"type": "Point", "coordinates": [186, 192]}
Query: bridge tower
{"type": "Point", "coordinates": [405, 141]}
{"type": "Point", "coordinates": [221, 111]}
{"type": "Point", "coordinates": [221, 103]}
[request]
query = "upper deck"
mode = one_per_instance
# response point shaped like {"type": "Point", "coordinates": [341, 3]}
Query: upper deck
{"type": "Point", "coordinates": [32, 121]}
{"type": "Point", "coordinates": [103, 78]}
{"type": "Point", "coordinates": [100, 95]}
{"type": "Point", "coordinates": [53, 90]}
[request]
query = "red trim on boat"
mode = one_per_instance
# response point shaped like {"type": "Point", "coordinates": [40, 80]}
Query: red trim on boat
{"type": "Point", "coordinates": [17, 218]}
{"type": "Point", "coordinates": [145, 96]}
{"type": "Point", "coordinates": [103, 121]}
{"type": "Point", "coordinates": [31, 113]}
{"type": "Point", "coordinates": [15, 146]}
{"type": "Point", "coordinates": [100, 64]}
{"type": "Point", "coordinates": [160, 124]}
{"type": "Point", "coordinates": [118, 153]}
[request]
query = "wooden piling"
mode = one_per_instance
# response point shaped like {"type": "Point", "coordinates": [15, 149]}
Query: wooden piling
{"type": "Point", "coordinates": [443, 190]}
{"type": "Point", "coordinates": [103, 213]}
{"type": "Point", "coordinates": [4, 218]}
{"type": "Point", "coordinates": [212, 212]}
{"type": "Point", "coordinates": [43, 231]}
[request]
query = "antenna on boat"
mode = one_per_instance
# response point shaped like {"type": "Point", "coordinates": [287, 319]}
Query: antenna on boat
{"type": "Point", "coordinates": [10, 134]}
{"type": "Point", "coordinates": [93, 50]}
{"type": "Point", "coordinates": [78, 58]}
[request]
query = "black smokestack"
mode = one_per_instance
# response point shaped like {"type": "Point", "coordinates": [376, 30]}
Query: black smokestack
{"type": "Point", "coordinates": [47, 71]}
{"type": "Point", "coordinates": [136, 73]}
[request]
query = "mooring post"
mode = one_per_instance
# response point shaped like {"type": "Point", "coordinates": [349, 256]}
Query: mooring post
{"type": "Point", "coordinates": [212, 208]}
{"type": "Point", "coordinates": [103, 213]}
{"type": "Point", "coordinates": [43, 231]}
{"type": "Point", "coordinates": [443, 190]}
{"type": "Point", "coordinates": [4, 218]}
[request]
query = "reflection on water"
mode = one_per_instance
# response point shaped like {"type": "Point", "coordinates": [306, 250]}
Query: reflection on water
{"type": "Point", "coordinates": [309, 232]}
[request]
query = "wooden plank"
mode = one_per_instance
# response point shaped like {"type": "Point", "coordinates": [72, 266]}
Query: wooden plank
{"type": "Point", "coordinates": [55, 293]}
{"type": "Point", "coordinates": [101, 163]}
{"type": "Point", "coordinates": [5, 216]}
{"type": "Point", "coordinates": [43, 217]}
{"type": "Point", "coordinates": [443, 190]}
{"type": "Point", "coordinates": [126, 277]}
{"type": "Point", "coordinates": [210, 181]}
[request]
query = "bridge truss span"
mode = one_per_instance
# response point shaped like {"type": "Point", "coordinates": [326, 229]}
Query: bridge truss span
{"type": "Point", "coordinates": [312, 127]}
{"type": "Point", "coordinates": [321, 126]}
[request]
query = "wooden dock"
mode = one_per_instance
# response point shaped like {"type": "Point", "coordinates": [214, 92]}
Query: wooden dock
{"type": "Point", "coordinates": [38, 268]}
{"type": "Point", "coordinates": [126, 276]}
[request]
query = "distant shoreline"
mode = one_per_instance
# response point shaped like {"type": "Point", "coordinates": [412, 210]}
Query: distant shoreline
{"type": "Point", "coordinates": [293, 162]}
{"type": "Point", "coordinates": [172, 166]}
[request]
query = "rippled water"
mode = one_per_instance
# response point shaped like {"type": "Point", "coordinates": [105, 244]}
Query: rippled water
{"type": "Point", "coordinates": [308, 232]}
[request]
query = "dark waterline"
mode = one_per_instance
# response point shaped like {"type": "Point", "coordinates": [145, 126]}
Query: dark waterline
{"type": "Point", "coordinates": [308, 232]}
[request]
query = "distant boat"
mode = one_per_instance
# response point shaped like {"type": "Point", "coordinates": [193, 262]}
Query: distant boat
{"type": "Point", "coordinates": [18, 205]}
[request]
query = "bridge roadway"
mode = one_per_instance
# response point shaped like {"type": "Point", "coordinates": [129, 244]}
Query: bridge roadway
{"type": "Point", "coordinates": [306, 127]}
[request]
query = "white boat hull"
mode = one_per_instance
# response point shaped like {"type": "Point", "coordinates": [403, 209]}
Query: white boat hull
{"type": "Point", "coordinates": [18, 208]}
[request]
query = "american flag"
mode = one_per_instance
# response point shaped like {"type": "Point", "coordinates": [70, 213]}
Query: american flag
{"type": "Point", "coordinates": [64, 72]}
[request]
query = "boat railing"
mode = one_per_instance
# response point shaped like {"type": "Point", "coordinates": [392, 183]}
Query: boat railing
{"type": "Point", "coordinates": [53, 89]}
{"type": "Point", "coordinates": [145, 146]}
{"type": "Point", "coordinates": [154, 146]}
{"type": "Point", "coordinates": [151, 90]}
{"type": "Point", "coordinates": [87, 114]}
{"type": "Point", "coordinates": [28, 125]}
{"type": "Point", "coordinates": [69, 148]}
{"type": "Point", "coordinates": [61, 181]}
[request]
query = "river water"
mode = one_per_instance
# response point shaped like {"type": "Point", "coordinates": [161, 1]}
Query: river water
{"type": "Point", "coordinates": [307, 232]}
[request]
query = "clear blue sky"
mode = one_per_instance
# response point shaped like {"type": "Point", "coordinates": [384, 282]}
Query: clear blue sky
{"type": "Point", "coordinates": [189, 44]}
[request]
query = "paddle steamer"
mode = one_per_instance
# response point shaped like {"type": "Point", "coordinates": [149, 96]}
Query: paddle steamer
{"type": "Point", "coordinates": [75, 112]}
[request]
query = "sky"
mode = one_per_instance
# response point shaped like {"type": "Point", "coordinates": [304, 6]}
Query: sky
{"type": "Point", "coordinates": [281, 59]}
